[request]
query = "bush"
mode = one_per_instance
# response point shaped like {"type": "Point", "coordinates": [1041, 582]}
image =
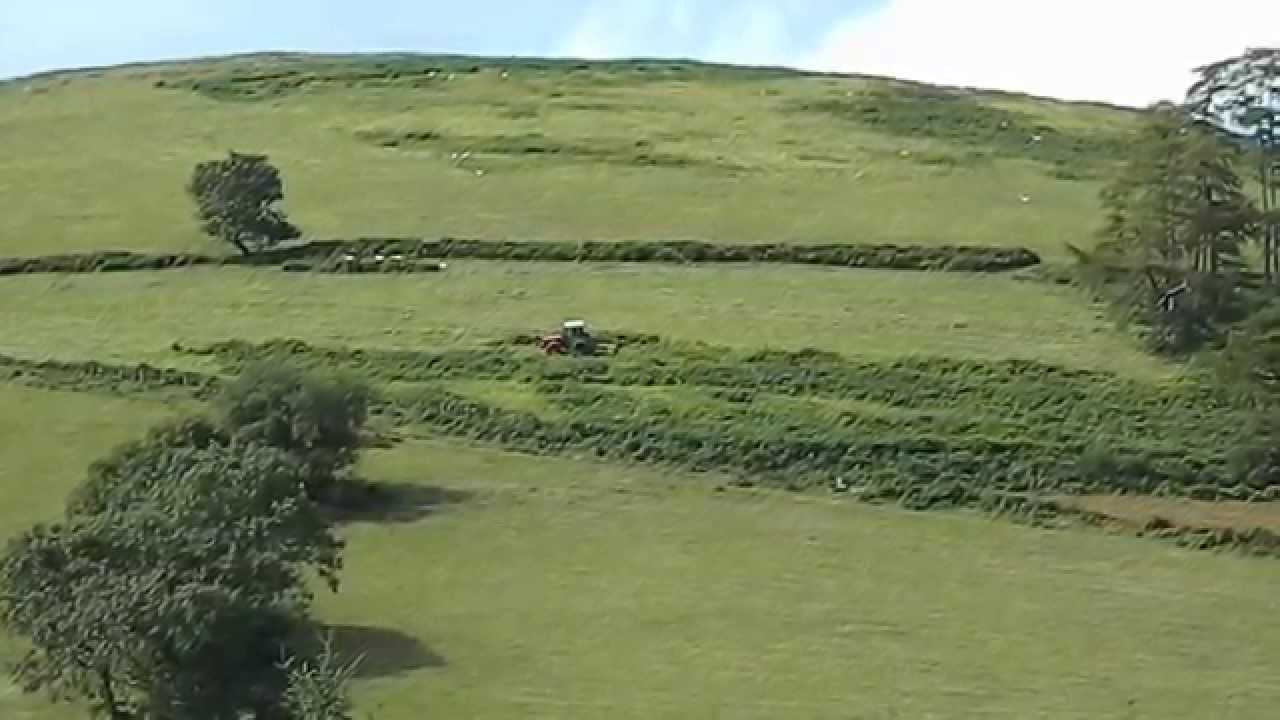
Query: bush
{"type": "Point", "coordinates": [106, 474]}
{"type": "Point", "coordinates": [314, 416]}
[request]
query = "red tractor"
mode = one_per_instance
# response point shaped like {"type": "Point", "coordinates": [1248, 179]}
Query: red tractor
{"type": "Point", "coordinates": [573, 339]}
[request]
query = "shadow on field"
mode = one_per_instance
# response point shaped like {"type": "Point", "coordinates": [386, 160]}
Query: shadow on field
{"type": "Point", "coordinates": [382, 502]}
{"type": "Point", "coordinates": [383, 652]}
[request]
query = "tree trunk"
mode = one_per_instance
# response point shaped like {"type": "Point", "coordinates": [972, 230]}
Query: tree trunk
{"type": "Point", "coordinates": [109, 697]}
{"type": "Point", "coordinates": [1271, 204]}
{"type": "Point", "coordinates": [1269, 264]}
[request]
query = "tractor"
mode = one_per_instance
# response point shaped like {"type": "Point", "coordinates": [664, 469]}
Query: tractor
{"type": "Point", "coordinates": [573, 339]}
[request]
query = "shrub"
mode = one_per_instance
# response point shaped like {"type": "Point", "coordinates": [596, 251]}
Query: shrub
{"type": "Point", "coordinates": [314, 416]}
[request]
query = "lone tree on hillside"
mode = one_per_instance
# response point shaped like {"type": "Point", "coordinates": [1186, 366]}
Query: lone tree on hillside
{"type": "Point", "coordinates": [235, 201]}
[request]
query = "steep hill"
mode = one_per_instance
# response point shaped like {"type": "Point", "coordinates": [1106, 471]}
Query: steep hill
{"type": "Point", "coordinates": [424, 145]}
{"type": "Point", "coordinates": [672, 530]}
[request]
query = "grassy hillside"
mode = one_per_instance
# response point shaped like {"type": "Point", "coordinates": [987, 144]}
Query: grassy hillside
{"type": "Point", "coordinates": [873, 313]}
{"type": "Point", "coordinates": [624, 150]}
{"type": "Point", "coordinates": [533, 587]}
{"type": "Point", "coordinates": [554, 584]}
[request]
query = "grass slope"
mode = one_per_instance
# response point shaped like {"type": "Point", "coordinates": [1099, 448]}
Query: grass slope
{"type": "Point", "coordinates": [99, 160]}
{"type": "Point", "coordinates": [876, 314]}
{"type": "Point", "coordinates": [560, 588]}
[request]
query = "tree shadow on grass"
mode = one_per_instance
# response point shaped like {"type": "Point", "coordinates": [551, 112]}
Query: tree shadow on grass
{"type": "Point", "coordinates": [381, 502]}
{"type": "Point", "coordinates": [382, 652]}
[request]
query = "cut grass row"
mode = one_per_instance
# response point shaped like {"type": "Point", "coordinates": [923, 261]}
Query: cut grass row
{"type": "Point", "coordinates": [578, 590]}
{"type": "Point", "coordinates": [877, 315]}
{"type": "Point", "coordinates": [369, 255]}
{"type": "Point", "coordinates": [789, 419]}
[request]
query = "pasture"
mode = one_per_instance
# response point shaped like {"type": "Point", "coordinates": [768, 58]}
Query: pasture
{"type": "Point", "coordinates": [100, 162]}
{"type": "Point", "coordinates": [516, 587]}
{"type": "Point", "coordinates": [607, 537]}
{"type": "Point", "coordinates": [873, 314]}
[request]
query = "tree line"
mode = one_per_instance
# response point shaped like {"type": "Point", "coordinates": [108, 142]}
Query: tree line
{"type": "Point", "coordinates": [1190, 246]}
{"type": "Point", "coordinates": [176, 586]}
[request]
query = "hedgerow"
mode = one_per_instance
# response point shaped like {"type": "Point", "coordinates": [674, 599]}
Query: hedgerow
{"type": "Point", "coordinates": [1004, 437]}
{"type": "Point", "coordinates": [1072, 429]}
{"type": "Point", "coordinates": [331, 256]}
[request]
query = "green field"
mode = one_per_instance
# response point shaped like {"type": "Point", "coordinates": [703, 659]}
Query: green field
{"type": "Point", "coordinates": [94, 163]}
{"type": "Point", "coordinates": [556, 584]}
{"type": "Point", "coordinates": [875, 314]}
{"type": "Point", "coordinates": [561, 588]}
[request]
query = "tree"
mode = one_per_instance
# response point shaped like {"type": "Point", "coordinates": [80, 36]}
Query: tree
{"type": "Point", "coordinates": [1176, 221]}
{"type": "Point", "coordinates": [317, 688]}
{"type": "Point", "coordinates": [1241, 96]}
{"type": "Point", "coordinates": [174, 593]}
{"type": "Point", "coordinates": [1250, 362]}
{"type": "Point", "coordinates": [235, 202]}
{"type": "Point", "coordinates": [108, 475]}
{"type": "Point", "coordinates": [316, 417]}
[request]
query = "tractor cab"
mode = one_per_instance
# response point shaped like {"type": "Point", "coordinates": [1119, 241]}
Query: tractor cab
{"type": "Point", "coordinates": [573, 338]}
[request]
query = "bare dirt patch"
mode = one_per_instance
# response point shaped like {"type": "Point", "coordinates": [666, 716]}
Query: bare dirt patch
{"type": "Point", "coordinates": [1135, 511]}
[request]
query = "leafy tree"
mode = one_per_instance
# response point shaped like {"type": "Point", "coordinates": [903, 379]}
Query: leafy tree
{"type": "Point", "coordinates": [172, 594]}
{"type": "Point", "coordinates": [314, 416]}
{"type": "Point", "coordinates": [107, 475]}
{"type": "Point", "coordinates": [1250, 362]}
{"type": "Point", "coordinates": [236, 202]}
{"type": "Point", "coordinates": [1175, 226]}
{"type": "Point", "coordinates": [317, 688]}
{"type": "Point", "coordinates": [1241, 96]}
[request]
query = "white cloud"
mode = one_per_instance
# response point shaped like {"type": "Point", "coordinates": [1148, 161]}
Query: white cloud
{"type": "Point", "coordinates": [1130, 52]}
{"type": "Point", "coordinates": [745, 31]}
{"type": "Point", "coordinates": [630, 28]}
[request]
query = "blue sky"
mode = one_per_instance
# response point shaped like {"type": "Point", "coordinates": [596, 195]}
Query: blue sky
{"type": "Point", "coordinates": [1079, 49]}
{"type": "Point", "coordinates": [43, 34]}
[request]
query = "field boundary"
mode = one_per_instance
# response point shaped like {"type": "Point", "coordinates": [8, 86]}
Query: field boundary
{"type": "Point", "coordinates": [443, 413]}
{"type": "Point", "coordinates": [371, 255]}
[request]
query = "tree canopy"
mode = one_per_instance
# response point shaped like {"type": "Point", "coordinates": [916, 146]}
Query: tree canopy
{"type": "Point", "coordinates": [236, 202]}
{"type": "Point", "coordinates": [1241, 96]}
{"type": "Point", "coordinates": [315, 416]}
{"type": "Point", "coordinates": [1176, 224]}
{"type": "Point", "coordinates": [172, 594]}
